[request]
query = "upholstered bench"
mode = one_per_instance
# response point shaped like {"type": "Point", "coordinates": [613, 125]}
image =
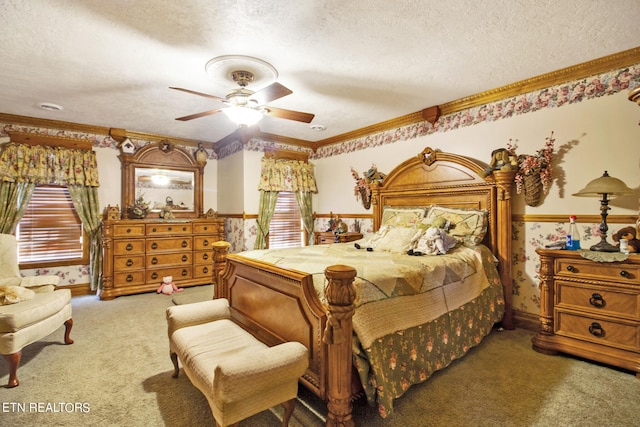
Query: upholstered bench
{"type": "Point", "coordinates": [239, 375]}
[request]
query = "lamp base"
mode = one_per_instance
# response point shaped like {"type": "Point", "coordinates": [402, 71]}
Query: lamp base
{"type": "Point", "coordinates": [604, 246]}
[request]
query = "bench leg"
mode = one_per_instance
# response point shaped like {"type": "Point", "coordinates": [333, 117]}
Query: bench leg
{"type": "Point", "coordinates": [176, 368]}
{"type": "Point", "coordinates": [67, 331]}
{"type": "Point", "coordinates": [289, 406]}
{"type": "Point", "coordinates": [13, 360]}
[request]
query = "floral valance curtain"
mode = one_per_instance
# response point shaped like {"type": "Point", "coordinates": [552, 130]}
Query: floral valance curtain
{"type": "Point", "coordinates": [287, 175]}
{"type": "Point", "coordinates": [41, 164]}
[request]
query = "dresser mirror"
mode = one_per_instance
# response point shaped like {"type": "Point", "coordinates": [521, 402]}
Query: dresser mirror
{"type": "Point", "coordinates": [165, 177]}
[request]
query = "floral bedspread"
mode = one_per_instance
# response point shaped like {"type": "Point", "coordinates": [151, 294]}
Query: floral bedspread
{"type": "Point", "coordinates": [414, 315]}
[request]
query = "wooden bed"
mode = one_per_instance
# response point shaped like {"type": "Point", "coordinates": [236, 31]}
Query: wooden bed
{"type": "Point", "coordinates": [277, 304]}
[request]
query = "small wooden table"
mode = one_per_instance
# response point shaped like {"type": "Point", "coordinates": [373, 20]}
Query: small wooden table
{"type": "Point", "coordinates": [324, 237]}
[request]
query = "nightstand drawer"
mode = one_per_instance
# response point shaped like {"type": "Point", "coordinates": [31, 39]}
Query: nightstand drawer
{"type": "Point", "coordinates": [583, 268]}
{"type": "Point", "coordinates": [619, 334]}
{"type": "Point", "coordinates": [598, 299]}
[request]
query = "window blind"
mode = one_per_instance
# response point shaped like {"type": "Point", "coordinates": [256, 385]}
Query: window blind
{"type": "Point", "coordinates": [50, 229]}
{"type": "Point", "coordinates": [286, 229]}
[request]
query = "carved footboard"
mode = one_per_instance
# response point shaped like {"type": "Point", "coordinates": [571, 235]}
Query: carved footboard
{"type": "Point", "coordinates": [278, 305]}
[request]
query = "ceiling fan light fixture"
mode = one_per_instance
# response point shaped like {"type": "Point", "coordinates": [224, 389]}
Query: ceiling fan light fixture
{"type": "Point", "coordinates": [243, 116]}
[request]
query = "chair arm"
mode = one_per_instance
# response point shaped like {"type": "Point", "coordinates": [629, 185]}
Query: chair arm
{"type": "Point", "coordinates": [181, 316]}
{"type": "Point", "coordinates": [32, 281]}
{"type": "Point", "coordinates": [236, 379]}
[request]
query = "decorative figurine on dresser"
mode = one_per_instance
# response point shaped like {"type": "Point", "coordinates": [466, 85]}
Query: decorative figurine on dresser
{"type": "Point", "coordinates": [174, 238]}
{"type": "Point", "coordinates": [590, 306]}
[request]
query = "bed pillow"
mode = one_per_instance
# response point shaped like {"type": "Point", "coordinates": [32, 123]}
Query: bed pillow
{"type": "Point", "coordinates": [467, 225]}
{"type": "Point", "coordinates": [402, 217]}
{"type": "Point", "coordinates": [399, 239]}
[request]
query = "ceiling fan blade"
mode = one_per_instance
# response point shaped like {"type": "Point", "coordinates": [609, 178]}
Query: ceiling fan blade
{"type": "Point", "coordinates": [270, 93]}
{"type": "Point", "coordinates": [198, 93]}
{"type": "Point", "coordinates": [289, 114]}
{"type": "Point", "coordinates": [198, 115]}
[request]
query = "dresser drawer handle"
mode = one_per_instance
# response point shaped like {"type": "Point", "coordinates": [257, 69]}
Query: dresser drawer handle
{"type": "Point", "coordinates": [128, 230]}
{"type": "Point", "coordinates": [154, 229]}
{"type": "Point", "coordinates": [596, 330]}
{"type": "Point", "coordinates": [596, 300]}
{"type": "Point", "coordinates": [184, 272]}
{"type": "Point", "coordinates": [184, 244]}
{"type": "Point", "coordinates": [571, 268]}
{"type": "Point", "coordinates": [624, 273]}
{"type": "Point", "coordinates": [129, 262]}
{"type": "Point", "coordinates": [129, 247]}
{"type": "Point", "coordinates": [205, 242]}
{"type": "Point", "coordinates": [154, 260]}
{"type": "Point", "coordinates": [154, 275]}
{"type": "Point", "coordinates": [129, 278]}
{"type": "Point", "coordinates": [205, 256]}
{"type": "Point", "coordinates": [184, 228]}
{"type": "Point", "coordinates": [170, 228]}
{"type": "Point", "coordinates": [154, 245]}
{"type": "Point", "coordinates": [205, 270]}
{"type": "Point", "coordinates": [206, 228]}
{"type": "Point", "coordinates": [185, 258]}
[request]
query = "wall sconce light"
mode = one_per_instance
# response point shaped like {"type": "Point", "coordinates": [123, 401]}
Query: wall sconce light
{"type": "Point", "coordinates": [604, 187]}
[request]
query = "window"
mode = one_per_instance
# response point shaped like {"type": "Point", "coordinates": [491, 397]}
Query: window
{"type": "Point", "coordinates": [50, 231]}
{"type": "Point", "coordinates": [286, 229]}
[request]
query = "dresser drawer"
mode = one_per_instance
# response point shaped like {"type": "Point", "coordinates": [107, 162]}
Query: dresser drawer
{"type": "Point", "coordinates": [598, 299]}
{"type": "Point", "coordinates": [128, 278]}
{"type": "Point", "coordinates": [175, 258]}
{"type": "Point", "coordinates": [168, 244]}
{"type": "Point", "coordinates": [203, 270]}
{"type": "Point", "coordinates": [203, 257]}
{"type": "Point", "coordinates": [619, 334]}
{"type": "Point", "coordinates": [128, 230]}
{"type": "Point", "coordinates": [132, 262]}
{"type": "Point", "coordinates": [208, 228]}
{"type": "Point", "coordinates": [203, 242]}
{"type": "Point", "coordinates": [166, 229]}
{"type": "Point", "coordinates": [178, 273]}
{"type": "Point", "coordinates": [125, 247]}
{"type": "Point", "coordinates": [583, 268]}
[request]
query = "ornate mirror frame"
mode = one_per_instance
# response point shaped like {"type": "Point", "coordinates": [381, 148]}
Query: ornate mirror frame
{"type": "Point", "coordinates": [168, 160]}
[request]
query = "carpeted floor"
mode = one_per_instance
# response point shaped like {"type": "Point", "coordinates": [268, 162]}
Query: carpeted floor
{"type": "Point", "coordinates": [118, 373]}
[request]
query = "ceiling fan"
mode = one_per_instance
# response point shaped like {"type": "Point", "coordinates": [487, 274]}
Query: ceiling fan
{"type": "Point", "coordinates": [246, 107]}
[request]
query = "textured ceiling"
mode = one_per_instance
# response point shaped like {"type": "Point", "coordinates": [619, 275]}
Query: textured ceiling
{"type": "Point", "coordinates": [352, 64]}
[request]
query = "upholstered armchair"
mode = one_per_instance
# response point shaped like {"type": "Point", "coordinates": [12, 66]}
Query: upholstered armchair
{"type": "Point", "coordinates": [31, 314]}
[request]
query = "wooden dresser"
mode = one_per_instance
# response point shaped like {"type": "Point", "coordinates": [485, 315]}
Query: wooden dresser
{"type": "Point", "coordinates": [324, 237]}
{"type": "Point", "coordinates": [590, 309]}
{"type": "Point", "coordinates": [139, 253]}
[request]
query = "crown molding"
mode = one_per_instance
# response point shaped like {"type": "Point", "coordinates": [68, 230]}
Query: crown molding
{"type": "Point", "coordinates": [597, 66]}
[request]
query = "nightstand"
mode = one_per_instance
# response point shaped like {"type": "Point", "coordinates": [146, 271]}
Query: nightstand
{"type": "Point", "coordinates": [590, 309]}
{"type": "Point", "coordinates": [324, 237]}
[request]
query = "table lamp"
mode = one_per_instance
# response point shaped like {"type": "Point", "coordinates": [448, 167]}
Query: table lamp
{"type": "Point", "coordinates": [604, 187]}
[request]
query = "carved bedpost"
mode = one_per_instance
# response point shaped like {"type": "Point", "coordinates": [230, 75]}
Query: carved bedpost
{"type": "Point", "coordinates": [340, 294]}
{"type": "Point", "coordinates": [504, 182]}
{"type": "Point", "coordinates": [220, 251]}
